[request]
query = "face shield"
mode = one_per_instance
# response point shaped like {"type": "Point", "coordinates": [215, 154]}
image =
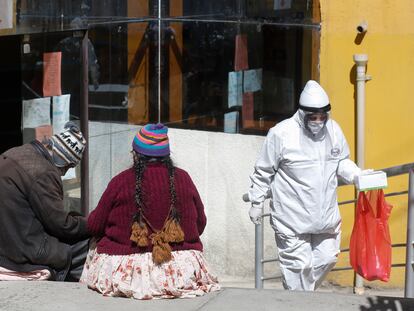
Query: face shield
{"type": "Point", "coordinates": [315, 121]}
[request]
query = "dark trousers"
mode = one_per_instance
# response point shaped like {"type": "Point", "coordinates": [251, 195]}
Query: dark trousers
{"type": "Point", "coordinates": [73, 272]}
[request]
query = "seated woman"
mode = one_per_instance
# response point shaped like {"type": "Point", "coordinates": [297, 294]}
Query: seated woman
{"type": "Point", "coordinates": [148, 225]}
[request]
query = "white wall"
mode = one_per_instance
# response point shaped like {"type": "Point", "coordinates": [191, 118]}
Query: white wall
{"type": "Point", "coordinates": [219, 164]}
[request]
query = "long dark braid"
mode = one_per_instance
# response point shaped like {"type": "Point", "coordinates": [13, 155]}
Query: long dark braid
{"type": "Point", "coordinates": [173, 195]}
{"type": "Point", "coordinates": [140, 164]}
{"type": "Point", "coordinates": [139, 229]}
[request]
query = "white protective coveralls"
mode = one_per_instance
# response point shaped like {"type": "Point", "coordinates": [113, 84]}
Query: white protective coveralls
{"type": "Point", "coordinates": [300, 169]}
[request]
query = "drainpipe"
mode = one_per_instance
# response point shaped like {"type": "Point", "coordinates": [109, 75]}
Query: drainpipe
{"type": "Point", "coordinates": [361, 62]}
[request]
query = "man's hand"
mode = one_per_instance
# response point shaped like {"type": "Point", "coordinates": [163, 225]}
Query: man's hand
{"type": "Point", "coordinates": [255, 213]}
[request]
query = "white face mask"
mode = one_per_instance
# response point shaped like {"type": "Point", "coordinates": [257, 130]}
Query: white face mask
{"type": "Point", "coordinates": [315, 126]}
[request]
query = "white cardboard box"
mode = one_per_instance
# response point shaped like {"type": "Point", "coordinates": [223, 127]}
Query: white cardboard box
{"type": "Point", "coordinates": [371, 180]}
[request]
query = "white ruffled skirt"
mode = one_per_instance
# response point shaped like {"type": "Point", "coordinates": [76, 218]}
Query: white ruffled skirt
{"type": "Point", "coordinates": [136, 276]}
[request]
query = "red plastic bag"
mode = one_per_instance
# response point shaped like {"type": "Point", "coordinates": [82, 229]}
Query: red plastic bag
{"type": "Point", "coordinates": [370, 246]}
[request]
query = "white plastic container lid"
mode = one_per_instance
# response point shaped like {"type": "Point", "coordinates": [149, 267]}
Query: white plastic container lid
{"type": "Point", "coordinates": [371, 181]}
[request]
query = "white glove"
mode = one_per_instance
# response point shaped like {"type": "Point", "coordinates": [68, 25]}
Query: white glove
{"type": "Point", "coordinates": [255, 213]}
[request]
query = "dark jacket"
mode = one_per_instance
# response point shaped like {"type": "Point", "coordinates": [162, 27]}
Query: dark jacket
{"type": "Point", "coordinates": [35, 230]}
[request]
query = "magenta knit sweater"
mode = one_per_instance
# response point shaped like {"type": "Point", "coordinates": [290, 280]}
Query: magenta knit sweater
{"type": "Point", "coordinates": [111, 221]}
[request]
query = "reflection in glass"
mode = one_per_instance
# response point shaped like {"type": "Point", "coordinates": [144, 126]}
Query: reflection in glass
{"type": "Point", "coordinates": [199, 9]}
{"type": "Point", "coordinates": [33, 16]}
{"type": "Point", "coordinates": [127, 89]}
{"type": "Point", "coordinates": [235, 77]}
{"type": "Point", "coordinates": [62, 102]}
{"type": "Point", "coordinates": [280, 11]}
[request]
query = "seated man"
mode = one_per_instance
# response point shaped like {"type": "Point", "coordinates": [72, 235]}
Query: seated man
{"type": "Point", "coordinates": [38, 238]}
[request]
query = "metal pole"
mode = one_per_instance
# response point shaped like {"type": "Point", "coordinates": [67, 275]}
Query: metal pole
{"type": "Point", "coordinates": [258, 255]}
{"type": "Point", "coordinates": [84, 116]}
{"type": "Point", "coordinates": [258, 249]}
{"type": "Point", "coordinates": [360, 61]}
{"type": "Point", "coordinates": [409, 261]}
{"type": "Point", "coordinates": [159, 59]}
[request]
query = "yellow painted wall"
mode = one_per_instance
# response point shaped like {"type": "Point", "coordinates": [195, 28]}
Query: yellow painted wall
{"type": "Point", "coordinates": [389, 43]}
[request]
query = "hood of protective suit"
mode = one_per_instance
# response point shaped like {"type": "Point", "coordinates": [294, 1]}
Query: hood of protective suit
{"type": "Point", "coordinates": [314, 98]}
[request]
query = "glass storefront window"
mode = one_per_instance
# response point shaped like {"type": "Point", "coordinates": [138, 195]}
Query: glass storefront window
{"type": "Point", "coordinates": [237, 78]}
{"type": "Point", "coordinates": [231, 66]}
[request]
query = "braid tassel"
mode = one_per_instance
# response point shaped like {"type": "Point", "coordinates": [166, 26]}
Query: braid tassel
{"type": "Point", "coordinates": [161, 250]}
{"type": "Point", "coordinates": [173, 231]}
{"type": "Point", "coordinates": [139, 233]}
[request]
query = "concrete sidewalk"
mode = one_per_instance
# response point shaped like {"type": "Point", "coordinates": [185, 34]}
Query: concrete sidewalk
{"type": "Point", "coordinates": [51, 296]}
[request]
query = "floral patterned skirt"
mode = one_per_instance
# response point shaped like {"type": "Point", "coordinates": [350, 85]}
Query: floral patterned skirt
{"type": "Point", "coordinates": [185, 275]}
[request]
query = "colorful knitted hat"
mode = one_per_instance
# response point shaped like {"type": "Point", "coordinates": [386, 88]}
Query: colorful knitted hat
{"type": "Point", "coordinates": [68, 146]}
{"type": "Point", "coordinates": [152, 140]}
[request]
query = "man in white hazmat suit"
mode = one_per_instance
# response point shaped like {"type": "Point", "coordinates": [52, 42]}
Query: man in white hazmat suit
{"type": "Point", "coordinates": [299, 163]}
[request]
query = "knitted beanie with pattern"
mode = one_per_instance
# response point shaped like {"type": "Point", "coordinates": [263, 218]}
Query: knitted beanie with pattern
{"type": "Point", "coordinates": [68, 146]}
{"type": "Point", "coordinates": [152, 140]}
